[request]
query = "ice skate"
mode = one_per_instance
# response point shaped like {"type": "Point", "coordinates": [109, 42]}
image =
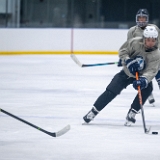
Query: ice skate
{"type": "Point", "coordinates": [130, 118]}
{"type": "Point", "coordinates": [90, 115]}
{"type": "Point", "coordinates": [151, 99]}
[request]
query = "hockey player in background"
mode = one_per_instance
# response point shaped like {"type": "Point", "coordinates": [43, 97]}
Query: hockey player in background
{"type": "Point", "coordinates": [140, 54]}
{"type": "Point", "coordinates": [142, 19]}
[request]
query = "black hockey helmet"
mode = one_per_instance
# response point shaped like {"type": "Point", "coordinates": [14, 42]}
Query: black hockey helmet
{"type": "Point", "coordinates": [142, 13]}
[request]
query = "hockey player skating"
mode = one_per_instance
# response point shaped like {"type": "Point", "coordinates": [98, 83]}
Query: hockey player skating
{"type": "Point", "coordinates": [140, 54]}
{"type": "Point", "coordinates": [142, 19]}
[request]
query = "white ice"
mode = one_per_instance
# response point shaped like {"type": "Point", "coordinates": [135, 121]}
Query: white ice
{"type": "Point", "coordinates": [51, 91]}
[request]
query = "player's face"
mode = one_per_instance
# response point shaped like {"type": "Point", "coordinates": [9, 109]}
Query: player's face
{"type": "Point", "coordinates": [142, 19]}
{"type": "Point", "coordinates": [150, 42]}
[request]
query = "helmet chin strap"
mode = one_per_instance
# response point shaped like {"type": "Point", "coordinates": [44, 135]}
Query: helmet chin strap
{"type": "Point", "coordinates": [150, 49]}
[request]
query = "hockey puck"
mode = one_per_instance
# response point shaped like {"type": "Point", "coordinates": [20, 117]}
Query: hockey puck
{"type": "Point", "coordinates": [154, 132]}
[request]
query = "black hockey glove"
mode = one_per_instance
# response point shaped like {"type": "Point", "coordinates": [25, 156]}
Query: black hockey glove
{"type": "Point", "coordinates": [141, 63]}
{"type": "Point", "coordinates": [142, 82]}
{"type": "Point", "coordinates": [136, 64]}
{"type": "Point", "coordinates": [132, 65]}
{"type": "Point", "coordinates": [119, 63]}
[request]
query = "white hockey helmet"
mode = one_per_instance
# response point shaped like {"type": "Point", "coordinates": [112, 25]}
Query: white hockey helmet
{"type": "Point", "coordinates": [150, 32]}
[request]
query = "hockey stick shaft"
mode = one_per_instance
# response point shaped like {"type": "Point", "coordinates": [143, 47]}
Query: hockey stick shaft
{"type": "Point", "coordinates": [54, 134]}
{"type": "Point", "coordinates": [99, 64]}
{"type": "Point", "coordinates": [141, 105]}
{"type": "Point", "coordinates": [75, 59]}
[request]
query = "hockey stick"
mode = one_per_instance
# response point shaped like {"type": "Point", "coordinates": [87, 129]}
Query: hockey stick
{"type": "Point", "coordinates": [53, 134]}
{"type": "Point", "coordinates": [75, 59]}
{"type": "Point", "coordinates": [141, 104]}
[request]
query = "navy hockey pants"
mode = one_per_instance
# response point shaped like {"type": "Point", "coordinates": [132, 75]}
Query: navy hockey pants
{"type": "Point", "coordinates": [119, 82]}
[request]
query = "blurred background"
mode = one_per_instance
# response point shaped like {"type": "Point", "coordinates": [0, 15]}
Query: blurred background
{"type": "Point", "coordinates": [67, 26]}
{"type": "Point", "coordinates": [75, 13]}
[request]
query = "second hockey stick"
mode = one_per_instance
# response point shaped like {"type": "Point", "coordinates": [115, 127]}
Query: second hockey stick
{"type": "Point", "coordinates": [53, 134]}
{"type": "Point", "coordinates": [75, 59]}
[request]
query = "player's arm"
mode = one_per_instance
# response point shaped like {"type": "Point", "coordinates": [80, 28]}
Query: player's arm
{"type": "Point", "coordinates": [129, 36]}
{"type": "Point", "coordinates": [130, 33]}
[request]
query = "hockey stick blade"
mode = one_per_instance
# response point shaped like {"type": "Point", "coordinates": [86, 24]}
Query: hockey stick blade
{"type": "Point", "coordinates": [75, 59]}
{"type": "Point", "coordinates": [62, 131]}
{"type": "Point", "coordinates": [53, 134]}
{"type": "Point", "coordinates": [59, 133]}
{"type": "Point", "coordinates": [147, 131]}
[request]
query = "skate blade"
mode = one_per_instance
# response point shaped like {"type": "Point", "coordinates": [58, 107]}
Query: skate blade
{"type": "Point", "coordinates": [128, 124]}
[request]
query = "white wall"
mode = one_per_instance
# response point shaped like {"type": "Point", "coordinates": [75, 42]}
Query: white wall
{"type": "Point", "coordinates": [61, 40]}
{"type": "Point", "coordinates": [99, 39]}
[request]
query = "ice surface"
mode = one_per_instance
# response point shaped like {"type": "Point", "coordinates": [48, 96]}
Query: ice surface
{"type": "Point", "coordinates": [51, 91]}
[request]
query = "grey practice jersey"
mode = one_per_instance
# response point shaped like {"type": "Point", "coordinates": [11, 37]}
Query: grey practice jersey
{"type": "Point", "coordinates": [135, 47]}
{"type": "Point", "coordinates": [136, 31]}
